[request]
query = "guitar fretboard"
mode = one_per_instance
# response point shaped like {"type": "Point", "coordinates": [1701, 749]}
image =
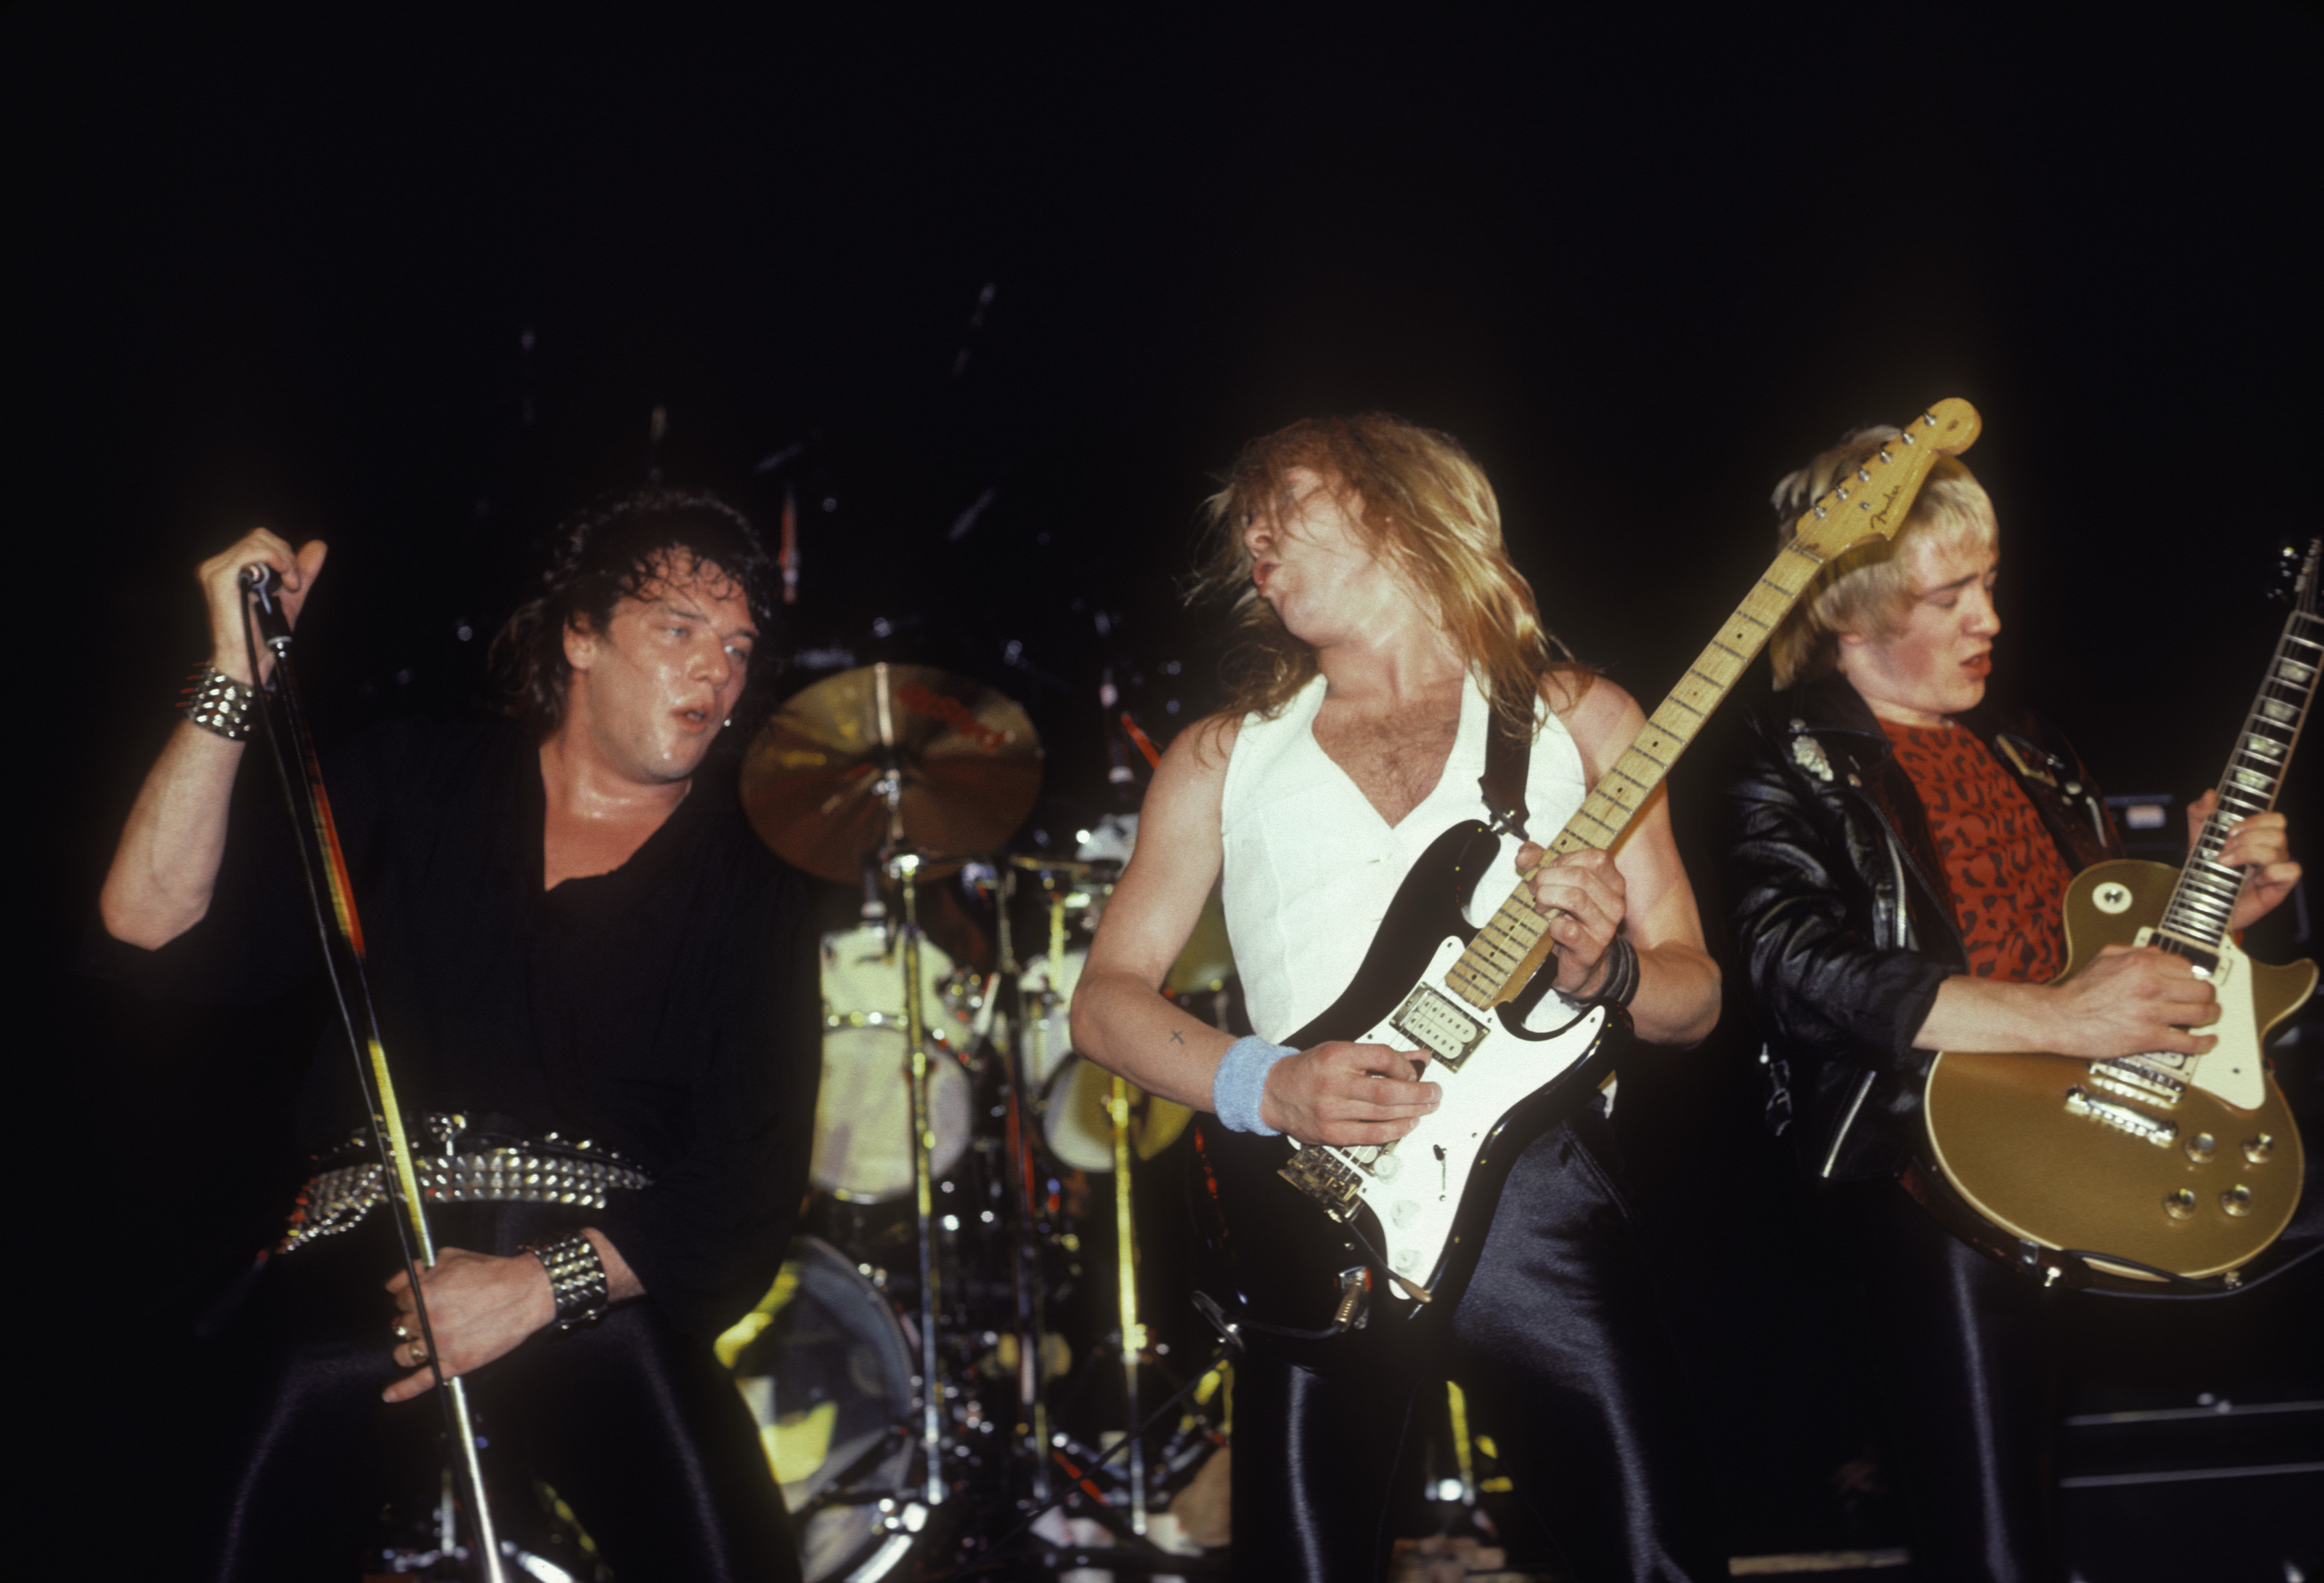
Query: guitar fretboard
{"type": "Point", "coordinates": [2206, 894]}
{"type": "Point", "coordinates": [1871, 501]}
{"type": "Point", "coordinates": [1516, 940]}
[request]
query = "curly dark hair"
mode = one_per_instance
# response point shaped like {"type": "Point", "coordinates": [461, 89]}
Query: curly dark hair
{"type": "Point", "coordinates": [612, 551]}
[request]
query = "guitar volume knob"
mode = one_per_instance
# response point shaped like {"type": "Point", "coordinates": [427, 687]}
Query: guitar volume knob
{"type": "Point", "coordinates": [2180, 1204]}
{"type": "Point", "coordinates": [2237, 1201]}
{"type": "Point", "coordinates": [2260, 1148]}
{"type": "Point", "coordinates": [2200, 1147]}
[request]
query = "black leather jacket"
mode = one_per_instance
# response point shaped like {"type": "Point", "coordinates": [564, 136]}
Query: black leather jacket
{"type": "Point", "coordinates": [1842, 915]}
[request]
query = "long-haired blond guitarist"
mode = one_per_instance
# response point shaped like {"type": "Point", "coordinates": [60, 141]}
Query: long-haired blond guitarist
{"type": "Point", "coordinates": [1898, 858]}
{"type": "Point", "coordinates": [1390, 643]}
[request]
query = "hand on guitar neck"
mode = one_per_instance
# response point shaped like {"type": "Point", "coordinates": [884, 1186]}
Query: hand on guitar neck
{"type": "Point", "coordinates": [2261, 847]}
{"type": "Point", "coordinates": [1583, 896]}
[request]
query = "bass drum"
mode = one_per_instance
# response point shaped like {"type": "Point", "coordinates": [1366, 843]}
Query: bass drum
{"type": "Point", "coordinates": [826, 1370]}
{"type": "Point", "coordinates": [864, 1111]}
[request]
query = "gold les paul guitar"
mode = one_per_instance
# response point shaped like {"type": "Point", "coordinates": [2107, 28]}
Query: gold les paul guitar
{"type": "Point", "coordinates": [2157, 1163]}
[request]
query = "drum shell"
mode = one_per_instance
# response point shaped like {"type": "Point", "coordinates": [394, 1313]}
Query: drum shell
{"type": "Point", "coordinates": [863, 1113]}
{"type": "Point", "coordinates": [827, 1368]}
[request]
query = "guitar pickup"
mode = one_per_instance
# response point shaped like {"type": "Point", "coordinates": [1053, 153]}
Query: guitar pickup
{"type": "Point", "coordinates": [2206, 960]}
{"type": "Point", "coordinates": [2135, 1080]}
{"type": "Point", "coordinates": [1326, 1178]}
{"type": "Point", "coordinates": [1433, 1023]}
{"type": "Point", "coordinates": [2137, 1123]}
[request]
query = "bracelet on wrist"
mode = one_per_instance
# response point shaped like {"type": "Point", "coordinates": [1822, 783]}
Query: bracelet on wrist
{"type": "Point", "coordinates": [577, 1279]}
{"type": "Point", "coordinates": [1617, 985]}
{"type": "Point", "coordinates": [218, 703]}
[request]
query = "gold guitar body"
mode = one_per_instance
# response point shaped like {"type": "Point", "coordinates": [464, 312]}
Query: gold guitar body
{"type": "Point", "coordinates": [2185, 1163]}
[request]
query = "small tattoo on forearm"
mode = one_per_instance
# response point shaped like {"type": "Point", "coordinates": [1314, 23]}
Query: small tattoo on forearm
{"type": "Point", "coordinates": [1176, 1038]}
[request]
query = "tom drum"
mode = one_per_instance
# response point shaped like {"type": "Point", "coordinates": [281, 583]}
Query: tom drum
{"type": "Point", "coordinates": [863, 1113]}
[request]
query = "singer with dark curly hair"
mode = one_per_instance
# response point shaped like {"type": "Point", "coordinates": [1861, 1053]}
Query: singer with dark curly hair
{"type": "Point", "coordinates": [578, 953]}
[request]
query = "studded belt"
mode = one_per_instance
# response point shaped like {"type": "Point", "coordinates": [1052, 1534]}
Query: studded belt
{"type": "Point", "coordinates": [525, 1172]}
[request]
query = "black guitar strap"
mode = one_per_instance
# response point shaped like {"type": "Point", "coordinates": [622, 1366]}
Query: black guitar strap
{"type": "Point", "coordinates": [1509, 757]}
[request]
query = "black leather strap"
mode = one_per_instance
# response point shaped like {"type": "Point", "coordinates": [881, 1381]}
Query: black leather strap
{"type": "Point", "coordinates": [1509, 757]}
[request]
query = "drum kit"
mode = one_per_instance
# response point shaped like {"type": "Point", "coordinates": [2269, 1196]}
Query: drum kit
{"type": "Point", "coordinates": [916, 1371]}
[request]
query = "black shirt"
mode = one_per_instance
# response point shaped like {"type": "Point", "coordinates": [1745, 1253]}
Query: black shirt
{"type": "Point", "coordinates": [669, 1010]}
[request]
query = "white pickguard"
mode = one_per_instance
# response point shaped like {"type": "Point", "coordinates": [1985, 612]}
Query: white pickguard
{"type": "Point", "coordinates": [1414, 1186]}
{"type": "Point", "coordinates": [2232, 1071]}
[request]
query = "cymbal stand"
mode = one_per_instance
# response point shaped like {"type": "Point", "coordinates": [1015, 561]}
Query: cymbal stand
{"type": "Point", "coordinates": [904, 863]}
{"type": "Point", "coordinates": [907, 867]}
{"type": "Point", "coordinates": [1133, 1332]}
{"type": "Point", "coordinates": [1032, 1400]}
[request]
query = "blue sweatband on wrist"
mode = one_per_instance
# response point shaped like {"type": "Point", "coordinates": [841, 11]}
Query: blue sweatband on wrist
{"type": "Point", "coordinates": [1241, 1084]}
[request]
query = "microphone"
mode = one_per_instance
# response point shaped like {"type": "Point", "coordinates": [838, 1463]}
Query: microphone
{"type": "Point", "coordinates": [263, 586]}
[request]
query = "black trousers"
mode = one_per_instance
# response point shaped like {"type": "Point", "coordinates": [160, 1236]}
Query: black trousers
{"type": "Point", "coordinates": [1963, 1359]}
{"type": "Point", "coordinates": [1566, 1363]}
{"type": "Point", "coordinates": [635, 1426]}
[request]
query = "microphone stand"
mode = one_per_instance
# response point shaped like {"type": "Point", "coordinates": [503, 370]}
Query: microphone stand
{"type": "Point", "coordinates": [315, 835]}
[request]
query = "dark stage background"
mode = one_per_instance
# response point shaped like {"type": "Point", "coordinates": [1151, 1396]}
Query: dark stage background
{"type": "Point", "coordinates": [994, 296]}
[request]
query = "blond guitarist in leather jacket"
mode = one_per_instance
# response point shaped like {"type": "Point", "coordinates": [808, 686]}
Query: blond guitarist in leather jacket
{"type": "Point", "coordinates": [1896, 859]}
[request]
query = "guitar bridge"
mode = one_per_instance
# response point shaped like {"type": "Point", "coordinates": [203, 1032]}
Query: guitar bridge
{"type": "Point", "coordinates": [1433, 1023]}
{"type": "Point", "coordinates": [2136, 1080]}
{"type": "Point", "coordinates": [1326, 1178]}
{"type": "Point", "coordinates": [2137, 1123]}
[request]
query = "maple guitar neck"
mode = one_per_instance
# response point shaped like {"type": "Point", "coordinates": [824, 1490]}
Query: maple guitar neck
{"type": "Point", "coordinates": [1516, 941]}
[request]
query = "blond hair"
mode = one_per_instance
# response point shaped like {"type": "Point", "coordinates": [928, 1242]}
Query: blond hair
{"type": "Point", "coordinates": [1424, 509]}
{"type": "Point", "coordinates": [1867, 590]}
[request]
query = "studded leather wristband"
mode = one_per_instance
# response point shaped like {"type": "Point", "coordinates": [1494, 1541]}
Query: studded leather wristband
{"type": "Point", "coordinates": [216, 703]}
{"type": "Point", "coordinates": [576, 1278]}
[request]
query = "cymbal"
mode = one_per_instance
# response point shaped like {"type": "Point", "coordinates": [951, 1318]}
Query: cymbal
{"type": "Point", "coordinates": [967, 764]}
{"type": "Point", "coordinates": [1154, 1123]}
{"type": "Point", "coordinates": [1070, 868]}
{"type": "Point", "coordinates": [1084, 1089]}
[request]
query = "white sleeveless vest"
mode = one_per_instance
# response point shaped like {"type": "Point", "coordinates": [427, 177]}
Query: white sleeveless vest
{"type": "Point", "coordinates": [1311, 867]}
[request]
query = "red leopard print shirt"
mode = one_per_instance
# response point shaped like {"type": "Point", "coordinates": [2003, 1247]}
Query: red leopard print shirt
{"type": "Point", "coordinates": [2008, 882]}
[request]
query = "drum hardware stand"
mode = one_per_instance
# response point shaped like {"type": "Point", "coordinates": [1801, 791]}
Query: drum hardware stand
{"type": "Point", "coordinates": [1141, 1554]}
{"type": "Point", "coordinates": [906, 865]}
{"type": "Point", "coordinates": [316, 836]}
{"type": "Point", "coordinates": [1133, 1333]}
{"type": "Point", "coordinates": [903, 862]}
{"type": "Point", "coordinates": [1032, 1399]}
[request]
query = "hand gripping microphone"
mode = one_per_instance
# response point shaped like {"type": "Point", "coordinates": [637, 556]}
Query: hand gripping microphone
{"type": "Point", "coordinates": [263, 586]}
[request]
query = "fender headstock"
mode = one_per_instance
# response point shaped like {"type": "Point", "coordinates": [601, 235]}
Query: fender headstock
{"type": "Point", "coordinates": [1873, 501]}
